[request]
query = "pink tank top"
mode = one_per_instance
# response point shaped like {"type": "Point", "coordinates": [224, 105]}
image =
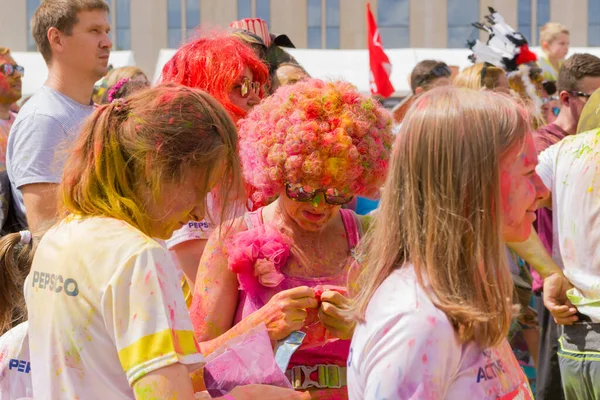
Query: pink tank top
{"type": "Point", "coordinates": [335, 353]}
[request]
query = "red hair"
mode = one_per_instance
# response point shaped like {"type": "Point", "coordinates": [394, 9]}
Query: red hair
{"type": "Point", "coordinates": [215, 63]}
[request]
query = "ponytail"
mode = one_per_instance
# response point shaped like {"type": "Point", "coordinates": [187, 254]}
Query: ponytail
{"type": "Point", "coordinates": [16, 256]}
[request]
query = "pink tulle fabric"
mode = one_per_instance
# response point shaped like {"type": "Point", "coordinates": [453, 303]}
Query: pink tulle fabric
{"type": "Point", "coordinates": [257, 256]}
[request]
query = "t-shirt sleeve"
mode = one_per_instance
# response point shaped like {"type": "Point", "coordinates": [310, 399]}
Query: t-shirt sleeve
{"type": "Point", "coordinates": [39, 151]}
{"type": "Point", "coordinates": [546, 164]}
{"type": "Point", "coordinates": [145, 310]}
{"type": "Point", "coordinates": [413, 359]}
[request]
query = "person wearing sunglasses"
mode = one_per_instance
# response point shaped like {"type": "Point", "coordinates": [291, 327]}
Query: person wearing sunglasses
{"type": "Point", "coordinates": [308, 149]}
{"type": "Point", "coordinates": [578, 77]}
{"type": "Point", "coordinates": [10, 92]}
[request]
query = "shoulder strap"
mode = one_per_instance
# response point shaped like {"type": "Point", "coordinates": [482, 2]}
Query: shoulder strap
{"type": "Point", "coordinates": [253, 219]}
{"type": "Point", "coordinates": [353, 227]}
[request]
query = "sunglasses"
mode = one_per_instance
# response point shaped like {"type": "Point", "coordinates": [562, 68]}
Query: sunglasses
{"type": "Point", "coordinates": [247, 87]}
{"type": "Point", "coordinates": [438, 72]}
{"type": "Point", "coordinates": [580, 94]}
{"type": "Point", "coordinates": [332, 196]}
{"type": "Point", "coordinates": [9, 69]}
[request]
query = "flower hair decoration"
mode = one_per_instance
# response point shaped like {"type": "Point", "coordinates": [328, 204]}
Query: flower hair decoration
{"type": "Point", "coordinates": [115, 89]}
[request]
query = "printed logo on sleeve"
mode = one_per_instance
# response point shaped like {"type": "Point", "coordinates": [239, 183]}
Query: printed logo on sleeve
{"type": "Point", "coordinates": [55, 283]}
{"type": "Point", "coordinates": [19, 365]}
{"type": "Point", "coordinates": [202, 225]}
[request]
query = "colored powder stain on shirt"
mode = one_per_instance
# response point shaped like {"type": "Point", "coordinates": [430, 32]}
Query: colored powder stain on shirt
{"type": "Point", "coordinates": [424, 358]}
{"type": "Point", "coordinates": [147, 277]}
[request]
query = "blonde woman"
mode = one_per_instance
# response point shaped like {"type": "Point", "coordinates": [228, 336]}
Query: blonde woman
{"type": "Point", "coordinates": [434, 304]}
{"type": "Point", "coordinates": [483, 75]}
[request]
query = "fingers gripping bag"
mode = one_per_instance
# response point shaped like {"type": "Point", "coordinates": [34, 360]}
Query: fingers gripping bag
{"type": "Point", "coordinates": [316, 333]}
{"type": "Point", "coordinates": [246, 359]}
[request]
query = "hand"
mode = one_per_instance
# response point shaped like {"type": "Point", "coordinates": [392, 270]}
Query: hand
{"type": "Point", "coordinates": [265, 392]}
{"type": "Point", "coordinates": [331, 314]}
{"type": "Point", "coordinates": [556, 301]}
{"type": "Point", "coordinates": [286, 311]}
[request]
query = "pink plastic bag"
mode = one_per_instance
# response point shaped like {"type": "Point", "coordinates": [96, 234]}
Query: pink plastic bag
{"type": "Point", "coordinates": [316, 333]}
{"type": "Point", "coordinates": [246, 359]}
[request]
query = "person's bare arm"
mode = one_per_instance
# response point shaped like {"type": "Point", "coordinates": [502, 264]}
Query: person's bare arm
{"type": "Point", "coordinates": [555, 283]}
{"type": "Point", "coordinates": [41, 205]}
{"type": "Point", "coordinates": [189, 254]}
{"type": "Point", "coordinates": [170, 382]}
{"type": "Point", "coordinates": [216, 298]}
{"type": "Point", "coordinates": [533, 251]}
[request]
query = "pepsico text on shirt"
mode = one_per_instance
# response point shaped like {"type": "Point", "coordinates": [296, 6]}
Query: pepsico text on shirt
{"type": "Point", "coordinates": [55, 283]}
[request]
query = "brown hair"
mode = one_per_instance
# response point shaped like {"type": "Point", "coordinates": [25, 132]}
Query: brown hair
{"type": "Point", "coordinates": [170, 128]}
{"type": "Point", "coordinates": [15, 262]}
{"type": "Point", "coordinates": [471, 78]}
{"type": "Point", "coordinates": [62, 15]}
{"type": "Point", "coordinates": [575, 68]}
{"type": "Point", "coordinates": [439, 210]}
{"type": "Point", "coordinates": [423, 74]}
{"type": "Point", "coordinates": [550, 31]}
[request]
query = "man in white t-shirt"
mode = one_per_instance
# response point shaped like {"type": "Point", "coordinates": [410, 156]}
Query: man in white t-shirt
{"type": "Point", "coordinates": [571, 170]}
{"type": "Point", "coordinates": [73, 37]}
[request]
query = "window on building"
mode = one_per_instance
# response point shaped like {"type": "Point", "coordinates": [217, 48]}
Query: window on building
{"type": "Point", "coordinates": [543, 15]}
{"type": "Point", "coordinates": [314, 24]}
{"type": "Point", "coordinates": [461, 14]}
{"type": "Point", "coordinates": [263, 10]}
{"type": "Point", "coordinates": [192, 17]}
{"type": "Point", "coordinates": [393, 22]}
{"type": "Point", "coordinates": [32, 5]}
{"type": "Point", "coordinates": [123, 30]}
{"type": "Point", "coordinates": [593, 22]}
{"type": "Point", "coordinates": [332, 28]}
{"type": "Point", "coordinates": [174, 25]}
{"type": "Point", "coordinates": [244, 9]}
{"type": "Point", "coordinates": [524, 18]}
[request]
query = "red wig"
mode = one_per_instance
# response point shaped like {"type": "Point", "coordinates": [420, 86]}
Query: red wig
{"type": "Point", "coordinates": [215, 63]}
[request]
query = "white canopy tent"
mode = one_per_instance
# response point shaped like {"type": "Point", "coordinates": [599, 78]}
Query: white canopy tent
{"type": "Point", "coordinates": [36, 71]}
{"type": "Point", "coordinates": [353, 65]}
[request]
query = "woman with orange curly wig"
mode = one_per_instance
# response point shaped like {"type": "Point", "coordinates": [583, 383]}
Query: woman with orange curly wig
{"type": "Point", "coordinates": [229, 70]}
{"type": "Point", "coordinates": [312, 146]}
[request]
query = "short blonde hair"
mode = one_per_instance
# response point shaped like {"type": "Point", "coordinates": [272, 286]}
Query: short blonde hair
{"type": "Point", "coordinates": [471, 78]}
{"type": "Point", "coordinates": [4, 51]}
{"type": "Point", "coordinates": [550, 31]}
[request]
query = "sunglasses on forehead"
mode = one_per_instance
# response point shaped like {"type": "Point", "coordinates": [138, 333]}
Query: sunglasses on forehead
{"type": "Point", "coordinates": [247, 86]}
{"type": "Point", "coordinates": [332, 196]}
{"type": "Point", "coordinates": [438, 72]}
{"type": "Point", "coordinates": [10, 69]}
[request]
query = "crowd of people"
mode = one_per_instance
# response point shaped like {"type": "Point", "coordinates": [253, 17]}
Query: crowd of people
{"type": "Point", "coordinates": [241, 230]}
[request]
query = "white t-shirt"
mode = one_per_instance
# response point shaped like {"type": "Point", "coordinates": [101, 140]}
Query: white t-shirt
{"type": "Point", "coordinates": [15, 368]}
{"type": "Point", "coordinates": [571, 170]}
{"type": "Point", "coordinates": [195, 230]}
{"type": "Point", "coordinates": [105, 308]}
{"type": "Point", "coordinates": [408, 349]}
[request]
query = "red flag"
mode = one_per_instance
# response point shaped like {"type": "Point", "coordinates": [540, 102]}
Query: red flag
{"type": "Point", "coordinates": [381, 69]}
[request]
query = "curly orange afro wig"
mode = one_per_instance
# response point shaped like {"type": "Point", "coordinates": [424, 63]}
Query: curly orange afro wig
{"type": "Point", "coordinates": [215, 63]}
{"type": "Point", "coordinates": [318, 134]}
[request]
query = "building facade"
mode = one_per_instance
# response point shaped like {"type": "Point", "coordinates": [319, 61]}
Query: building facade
{"type": "Point", "coordinates": [146, 26]}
